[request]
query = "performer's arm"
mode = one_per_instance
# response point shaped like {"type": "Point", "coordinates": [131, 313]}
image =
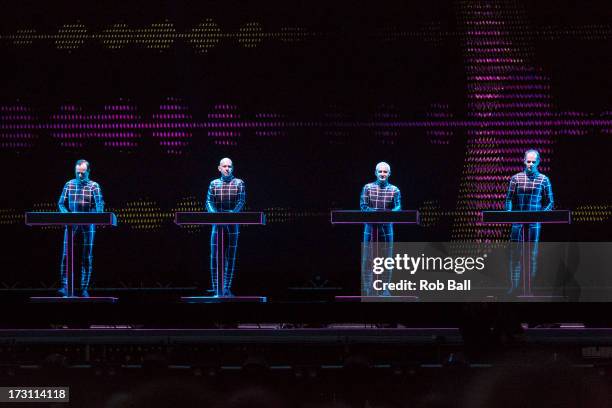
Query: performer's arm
{"type": "Point", "coordinates": [241, 197]}
{"type": "Point", "coordinates": [98, 199]}
{"type": "Point", "coordinates": [363, 200]}
{"type": "Point", "coordinates": [510, 194]}
{"type": "Point", "coordinates": [397, 201]}
{"type": "Point", "coordinates": [547, 197]}
{"type": "Point", "coordinates": [62, 203]}
{"type": "Point", "coordinates": [210, 204]}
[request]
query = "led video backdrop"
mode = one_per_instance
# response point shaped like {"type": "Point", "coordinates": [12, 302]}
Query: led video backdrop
{"type": "Point", "coordinates": [305, 99]}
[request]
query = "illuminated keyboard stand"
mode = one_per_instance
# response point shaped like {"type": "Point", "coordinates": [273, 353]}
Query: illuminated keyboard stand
{"type": "Point", "coordinates": [355, 217]}
{"type": "Point", "coordinates": [526, 218]}
{"type": "Point", "coordinates": [221, 218]}
{"type": "Point", "coordinates": [70, 220]}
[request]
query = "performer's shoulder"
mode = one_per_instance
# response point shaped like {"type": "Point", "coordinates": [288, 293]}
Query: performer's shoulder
{"type": "Point", "coordinates": [214, 182]}
{"type": "Point", "coordinates": [94, 184]}
{"type": "Point", "coordinates": [517, 176]}
{"type": "Point", "coordinates": [369, 186]}
{"type": "Point", "coordinates": [544, 178]}
{"type": "Point", "coordinates": [394, 187]}
{"type": "Point", "coordinates": [238, 181]}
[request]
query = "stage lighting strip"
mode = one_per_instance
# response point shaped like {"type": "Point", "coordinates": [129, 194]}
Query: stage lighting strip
{"type": "Point", "coordinates": [207, 35]}
{"type": "Point", "coordinates": [143, 214]}
{"type": "Point", "coordinates": [122, 128]}
{"type": "Point", "coordinates": [592, 213]}
{"type": "Point", "coordinates": [158, 36]}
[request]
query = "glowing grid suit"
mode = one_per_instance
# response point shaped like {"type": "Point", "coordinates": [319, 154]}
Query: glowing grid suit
{"type": "Point", "coordinates": [528, 191]}
{"type": "Point", "coordinates": [80, 196]}
{"type": "Point", "coordinates": [225, 194]}
{"type": "Point", "coordinates": [377, 196]}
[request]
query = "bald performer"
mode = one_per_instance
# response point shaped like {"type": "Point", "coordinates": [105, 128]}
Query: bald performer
{"type": "Point", "coordinates": [225, 194]}
{"type": "Point", "coordinates": [378, 196]}
{"type": "Point", "coordinates": [528, 190]}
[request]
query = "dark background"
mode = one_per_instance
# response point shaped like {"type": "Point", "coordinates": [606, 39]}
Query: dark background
{"type": "Point", "coordinates": [345, 86]}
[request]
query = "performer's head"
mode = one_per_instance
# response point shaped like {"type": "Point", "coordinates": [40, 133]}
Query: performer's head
{"type": "Point", "coordinates": [81, 170]}
{"type": "Point", "coordinates": [383, 171]}
{"type": "Point", "coordinates": [226, 167]}
{"type": "Point", "coordinates": [532, 160]}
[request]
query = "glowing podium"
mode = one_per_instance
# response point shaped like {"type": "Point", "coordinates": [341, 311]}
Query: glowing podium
{"type": "Point", "coordinates": [526, 218]}
{"type": "Point", "coordinates": [221, 218]}
{"type": "Point", "coordinates": [71, 220]}
{"type": "Point", "coordinates": [357, 217]}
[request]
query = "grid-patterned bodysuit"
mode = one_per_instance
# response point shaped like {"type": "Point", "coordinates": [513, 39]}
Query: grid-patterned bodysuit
{"type": "Point", "coordinates": [225, 194]}
{"type": "Point", "coordinates": [377, 196]}
{"type": "Point", "coordinates": [528, 191]}
{"type": "Point", "coordinates": [80, 196]}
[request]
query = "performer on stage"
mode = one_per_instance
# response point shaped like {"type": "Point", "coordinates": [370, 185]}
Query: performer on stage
{"type": "Point", "coordinates": [378, 196]}
{"type": "Point", "coordinates": [529, 190]}
{"type": "Point", "coordinates": [80, 195]}
{"type": "Point", "coordinates": [225, 194]}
